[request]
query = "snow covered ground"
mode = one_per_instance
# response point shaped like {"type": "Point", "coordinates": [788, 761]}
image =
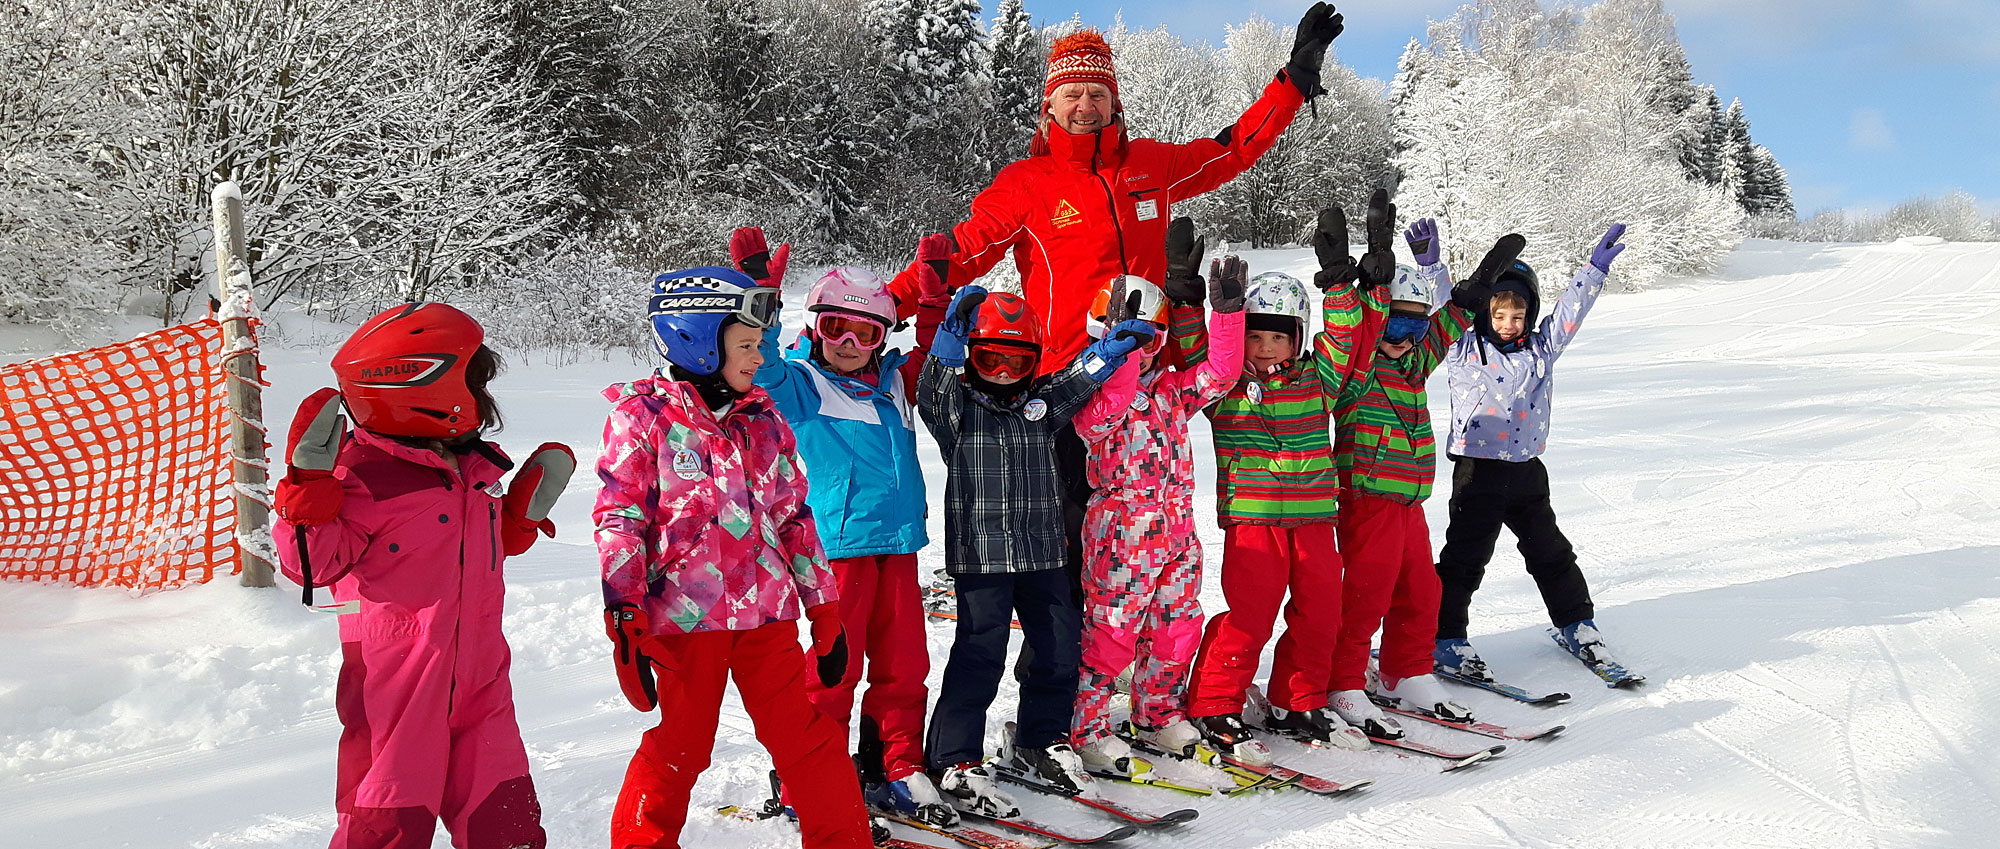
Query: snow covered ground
{"type": "Point", "coordinates": [1781, 483]}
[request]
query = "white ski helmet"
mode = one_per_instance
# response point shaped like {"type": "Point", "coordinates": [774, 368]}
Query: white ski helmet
{"type": "Point", "coordinates": [1279, 295]}
{"type": "Point", "coordinates": [1413, 287]}
{"type": "Point", "coordinates": [1152, 303]}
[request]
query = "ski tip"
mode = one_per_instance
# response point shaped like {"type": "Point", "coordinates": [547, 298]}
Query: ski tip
{"type": "Point", "coordinates": [1461, 763]}
{"type": "Point", "coordinates": [1626, 683]}
{"type": "Point", "coordinates": [1551, 699]}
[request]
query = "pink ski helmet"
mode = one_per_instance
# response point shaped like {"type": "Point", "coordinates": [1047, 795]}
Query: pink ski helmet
{"type": "Point", "coordinates": [855, 290]}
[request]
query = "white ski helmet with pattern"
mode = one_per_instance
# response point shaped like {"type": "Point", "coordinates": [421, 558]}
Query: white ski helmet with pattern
{"type": "Point", "coordinates": [1277, 295]}
{"type": "Point", "coordinates": [1412, 286]}
{"type": "Point", "coordinates": [1152, 303]}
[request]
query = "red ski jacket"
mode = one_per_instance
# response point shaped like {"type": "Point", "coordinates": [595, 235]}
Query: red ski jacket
{"type": "Point", "coordinates": [1094, 206]}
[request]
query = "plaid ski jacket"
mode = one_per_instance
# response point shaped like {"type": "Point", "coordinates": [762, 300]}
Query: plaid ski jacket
{"type": "Point", "coordinates": [1002, 500]}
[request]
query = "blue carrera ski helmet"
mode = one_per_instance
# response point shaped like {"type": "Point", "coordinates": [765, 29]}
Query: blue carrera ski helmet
{"type": "Point", "coordinates": [690, 308]}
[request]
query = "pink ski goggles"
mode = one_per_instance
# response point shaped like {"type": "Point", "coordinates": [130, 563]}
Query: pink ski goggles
{"type": "Point", "coordinates": [835, 328]}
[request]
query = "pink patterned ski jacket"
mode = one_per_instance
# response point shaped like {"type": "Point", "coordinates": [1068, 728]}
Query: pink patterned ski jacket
{"type": "Point", "coordinates": [1137, 426]}
{"type": "Point", "coordinates": [702, 520]}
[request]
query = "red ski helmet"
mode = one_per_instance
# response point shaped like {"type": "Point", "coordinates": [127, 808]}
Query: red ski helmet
{"type": "Point", "coordinates": [1007, 317]}
{"type": "Point", "coordinates": [403, 372]}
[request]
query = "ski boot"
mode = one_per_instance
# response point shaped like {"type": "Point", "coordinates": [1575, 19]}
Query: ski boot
{"type": "Point", "coordinates": [1354, 707]}
{"type": "Point", "coordinates": [1178, 738]}
{"type": "Point", "coordinates": [1319, 725]}
{"type": "Point", "coordinates": [913, 796]}
{"type": "Point", "coordinates": [1455, 656]}
{"type": "Point", "coordinates": [1058, 765]}
{"type": "Point", "coordinates": [1583, 640]}
{"type": "Point", "coordinates": [971, 787]}
{"type": "Point", "coordinates": [1227, 734]}
{"type": "Point", "coordinates": [1109, 755]}
{"type": "Point", "coordinates": [1423, 694]}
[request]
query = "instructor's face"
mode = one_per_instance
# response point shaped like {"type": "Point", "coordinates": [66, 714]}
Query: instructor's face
{"type": "Point", "coordinates": [1081, 107]}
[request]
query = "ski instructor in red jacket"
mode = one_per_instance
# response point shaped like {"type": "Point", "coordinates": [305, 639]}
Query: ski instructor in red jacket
{"type": "Point", "coordinates": [1089, 203]}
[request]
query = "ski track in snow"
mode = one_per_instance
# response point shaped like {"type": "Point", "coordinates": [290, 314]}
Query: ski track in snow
{"type": "Point", "coordinates": [1779, 481]}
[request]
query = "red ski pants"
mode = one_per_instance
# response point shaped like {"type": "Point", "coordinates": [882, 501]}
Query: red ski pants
{"type": "Point", "coordinates": [884, 615]}
{"type": "Point", "coordinates": [1392, 585]}
{"type": "Point", "coordinates": [1259, 563]}
{"type": "Point", "coordinates": [807, 748]}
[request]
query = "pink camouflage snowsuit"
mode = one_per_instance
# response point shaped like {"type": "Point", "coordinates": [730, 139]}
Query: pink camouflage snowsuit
{"type": "Point", "coordinates": [702, 522]}
{"type": "Point", "coordinates": [426, 709]}
{"type": "Point", "coordinates": [1142, 570]}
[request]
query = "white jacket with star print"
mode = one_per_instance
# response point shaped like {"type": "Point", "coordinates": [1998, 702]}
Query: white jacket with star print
{"type": "Point", "coordinates": [1500, 401]}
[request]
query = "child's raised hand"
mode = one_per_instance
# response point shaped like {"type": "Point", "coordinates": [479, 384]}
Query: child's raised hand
{"type": "Point", "coordinates": [1472, 293]}
{"type": "Point", "coordinates": [753, 256]}
{"type": "Point", "coordinates": [1336, 260]}
{"type": "Point", "coordinates": [949, 345]}
{"type": "Point", "coordinates": [1228, 283]}
{"type": "Point", "coordinates": [1378, 265]}
{"type": "Point", "coordinates": [934, 256]}
{"type": "Point", "coordinates": [1424, 243]}
{"type": "Point", "coordinates": [1184, 252]}
{"type": "Point", "coordinates": [1608, 248]}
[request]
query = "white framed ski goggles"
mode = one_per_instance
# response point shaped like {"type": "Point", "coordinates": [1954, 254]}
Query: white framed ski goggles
{"type": "Point", "coordinates": [756, 306]}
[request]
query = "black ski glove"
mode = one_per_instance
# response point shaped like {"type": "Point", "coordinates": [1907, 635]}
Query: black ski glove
{"type": "Point", "coordinates": [830, 667]}
{"type": "Point", "coordinates": [1317, 30]}
{"type": "Point", "coordinates": [1228, 283]}
{"type": "Point", "coordinates": [1184, 250]}
{"type": "Point", "coordinates": [1336, 262]}
{"type": "Point", "coordinates": [1472, 293]}
{"type": "Point", "coordinates": [1378, 265]}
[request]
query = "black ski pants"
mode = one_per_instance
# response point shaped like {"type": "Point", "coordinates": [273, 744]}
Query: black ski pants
{"type": "Point", "coordinates": [1489, 494]}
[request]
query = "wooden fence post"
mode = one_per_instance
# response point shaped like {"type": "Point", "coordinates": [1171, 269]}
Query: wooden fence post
{"type": "Point", "coordinates": [249, 464]}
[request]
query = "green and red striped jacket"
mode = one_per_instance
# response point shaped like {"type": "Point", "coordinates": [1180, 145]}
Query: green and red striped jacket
{"type": "Point", "coordinates": [1273, 453]}
{"type": "Point", "coordinates": [1382, 419]}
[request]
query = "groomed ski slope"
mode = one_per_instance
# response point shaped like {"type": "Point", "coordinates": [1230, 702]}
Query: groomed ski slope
{"type": "Point", "coordinates": [1781, 482]}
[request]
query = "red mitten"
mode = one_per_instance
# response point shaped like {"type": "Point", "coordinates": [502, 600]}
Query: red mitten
{"type": "Point", "coordinates": [308, 494]}
{"type": "Point", "coordinates": [625, 624]}
{"type": "Point", "coordinates": [752, 255]}
{"type": "Point", "coordinates": [934, 264]}
{"type": "Point", "coordinates": [525, 508]}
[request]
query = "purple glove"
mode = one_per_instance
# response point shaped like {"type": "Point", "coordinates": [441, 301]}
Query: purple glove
{"type": "Point", "coordinates": [1608, 248]}
{"type": "Point", "coordinates": [1423, 239]}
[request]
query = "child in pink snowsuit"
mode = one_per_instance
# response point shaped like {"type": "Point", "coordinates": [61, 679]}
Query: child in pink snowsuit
{"type": "Point", "coordinates": [1142, 574]}
{"type": "Point", "coordinates": [402, 517]}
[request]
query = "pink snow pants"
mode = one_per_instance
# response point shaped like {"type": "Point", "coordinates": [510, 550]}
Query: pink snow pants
{"type": "Point", "coordinates": [1391, 584]}
{"type": "Point", "coordinates": [427, 734]}
{"type": "Point", "coordinates": [1141, 590]}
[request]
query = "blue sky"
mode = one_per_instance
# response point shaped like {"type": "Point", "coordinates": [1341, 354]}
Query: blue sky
{"type": "Point", "coordinates": [1865, 103]}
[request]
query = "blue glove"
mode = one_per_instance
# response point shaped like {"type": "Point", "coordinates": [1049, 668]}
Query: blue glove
{"type": "Point", "coordinates": [1423, 239]}
{"type": "Point", "coordinates": [1608, 248]}
{"type": "Point", "coordinates": [949, 344]}
{"type": "Point", "coordinates": [1106, 355]}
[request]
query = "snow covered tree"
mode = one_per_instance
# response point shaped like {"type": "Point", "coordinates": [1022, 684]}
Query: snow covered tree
{"type": "Point", "coordinates": [567, 50]}
{"type": "Point", "coordinates": [1335, 152]}
{"type": "Point", "coordinates": [61, 212]}
{"type": "Point", "coordinates": [1771, 192]}
{"type": "Point", "coordinates": [461, 182]}
{"type": "Point", "coordinates": [1516, 119]}
{"type": "Point", "coordinates": [1016, 57]}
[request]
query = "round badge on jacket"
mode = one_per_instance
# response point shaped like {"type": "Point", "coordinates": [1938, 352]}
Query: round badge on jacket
{"type": "Point", "coordinates": [1034, 411]}
{"type": "Point", "coordinates": [1256, 392]}
{"type": "Point", "coordinates": [1141, 403]}
{"type": "Point", "coordinates": [687, 466]}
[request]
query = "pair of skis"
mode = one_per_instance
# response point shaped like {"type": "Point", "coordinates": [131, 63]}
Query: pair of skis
{"type": "Point", "coordinates": [1251, 776]}
{"type": "Point", "coordinates": [1458, 759]}
{"type": "Point", "coordinates": [1042, 836]}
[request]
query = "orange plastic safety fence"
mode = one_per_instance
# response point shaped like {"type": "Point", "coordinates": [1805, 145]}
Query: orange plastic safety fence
{"type": "Point", "coordinates": [114, 465]}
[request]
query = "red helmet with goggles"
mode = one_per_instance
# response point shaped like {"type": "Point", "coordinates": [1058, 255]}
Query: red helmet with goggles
{"type": "Point", "coordinates": [403, 372]}
{"type": "Point", "coordinates": [1007, 331]}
